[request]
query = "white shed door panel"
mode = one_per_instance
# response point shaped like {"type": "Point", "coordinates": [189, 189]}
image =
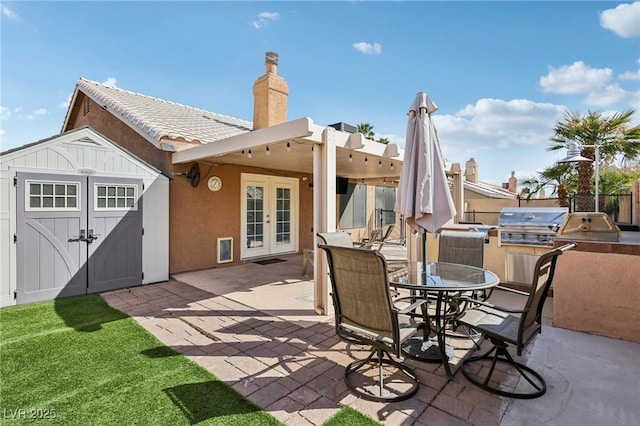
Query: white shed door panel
{"type": "Point", "coordinates": [76, 235]}
{"type": "Point", "coordinates": [115, 221]}
{"type": "Point", "coordinates": [50, 263]}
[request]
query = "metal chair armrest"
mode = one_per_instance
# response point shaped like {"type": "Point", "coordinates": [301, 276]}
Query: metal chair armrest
{"type": "Point", "coordinates": [492, 306]}
{"type": "Point", "coordinates": [512, 290]}
{"type": "Point", "coordinates": [410, 308]}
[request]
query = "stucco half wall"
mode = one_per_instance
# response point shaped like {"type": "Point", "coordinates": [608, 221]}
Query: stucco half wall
{"type": "Point", "coordinates": [598, 293]}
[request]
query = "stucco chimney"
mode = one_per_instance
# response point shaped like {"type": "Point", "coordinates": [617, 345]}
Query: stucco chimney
{"type": "Point", "coordinates": [270, 94]}
{"type": "Point", "coordinates": [471, 171]}
{"type": "Point", "coordinates": [513, 182]}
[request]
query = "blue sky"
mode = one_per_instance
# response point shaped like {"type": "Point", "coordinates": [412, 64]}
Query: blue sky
{"type": "Point", "coordinates": [502, 73]}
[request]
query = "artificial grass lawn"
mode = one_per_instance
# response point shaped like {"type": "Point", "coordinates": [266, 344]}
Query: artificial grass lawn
{"type": "Point", "coordinates": [77, 361]}
{"type": "Point", "coordinates": [350, 417]}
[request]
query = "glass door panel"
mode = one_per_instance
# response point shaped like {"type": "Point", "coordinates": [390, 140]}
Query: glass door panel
{"type": "Point", "coordinates": [269, 215]}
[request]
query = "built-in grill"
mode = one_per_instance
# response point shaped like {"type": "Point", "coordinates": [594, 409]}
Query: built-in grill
{"type": "Point", "coordinates": [530, 226]}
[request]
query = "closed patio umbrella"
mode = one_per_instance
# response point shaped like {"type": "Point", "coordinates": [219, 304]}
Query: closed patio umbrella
{"type": "Point", "coordinates": [424, 198]}
{"type": "Point", "coordinates": [423, 194]}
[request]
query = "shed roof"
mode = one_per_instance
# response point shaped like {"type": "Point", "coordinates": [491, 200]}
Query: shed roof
{"type": "Point", "coordinates": [160, 120]}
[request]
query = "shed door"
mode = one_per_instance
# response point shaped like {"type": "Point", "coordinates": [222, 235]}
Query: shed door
{"type": "Point", "coordinates": [76, 235]}
{"type": "Point", "coordinates": [115, 225]}
{"type": "Point", "coordinates": [49, 217]}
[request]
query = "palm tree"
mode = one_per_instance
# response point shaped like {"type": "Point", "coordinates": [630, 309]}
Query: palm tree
{"type": "Point", "coordinates": [613, 135]}
{"type": "Point", "coordinates": [384, 141]}
{"type": "Point", "coordinates": [614, 183]}
{"type": "Point", "coordinates": [559, 177]}
{"type": "Point", "coordinates": [367, 130]}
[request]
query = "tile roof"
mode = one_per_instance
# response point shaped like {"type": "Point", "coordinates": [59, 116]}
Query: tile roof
{"type": "Point", "coordinates": [159, 119]}
{"type": "Point", "coordinates": [489, 190]}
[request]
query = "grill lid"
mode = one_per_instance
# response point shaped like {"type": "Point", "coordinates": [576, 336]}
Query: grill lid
{"type": "Point", "coordinates": [530, 217]}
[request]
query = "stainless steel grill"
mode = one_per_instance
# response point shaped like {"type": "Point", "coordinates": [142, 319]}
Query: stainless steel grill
{"type": "Point", "coordinates": [530, 226]}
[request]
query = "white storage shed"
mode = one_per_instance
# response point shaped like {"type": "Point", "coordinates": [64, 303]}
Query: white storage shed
{"type": "Point", "coordinates": [78, 215]}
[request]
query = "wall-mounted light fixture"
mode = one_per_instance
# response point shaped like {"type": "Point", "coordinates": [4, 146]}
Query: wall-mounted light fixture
{"type": "Point", "coordinates": [288, 147]}
{"type": "Point", "coordinates": [267, 151]}
{"type": "Point", "coordinates": [379, 163]}
{"type": "Point", "coordinates": [350, 158]}
{"type": "Point", "coordinates": [249, 155]}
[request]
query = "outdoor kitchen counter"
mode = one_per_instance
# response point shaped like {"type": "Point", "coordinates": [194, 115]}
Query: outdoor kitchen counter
{"type": "Point", "coordinates": [597, 287]}
{"type": "Point", "coordinates": [629, 243]}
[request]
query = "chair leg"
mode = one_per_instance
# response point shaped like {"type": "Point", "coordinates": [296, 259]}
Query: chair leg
{"type": "Point", "coordinates": [537, 384]}
{"type": "Point", "coordinates": [378, 359]}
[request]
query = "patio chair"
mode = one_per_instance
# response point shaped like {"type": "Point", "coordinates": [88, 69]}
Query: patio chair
{"type": "Point", "coordinates": [374, 237]}
{"type": "Point", "coordinates": [466, 248]}
{"type": "Point", "coordinates": [502, 327]}
{"type": "Point", "coordinates": [462, 247]}
{"type": "Point", "coordinates": [366, 314]}
{"type": "Point", "coordinates": [338, 238]}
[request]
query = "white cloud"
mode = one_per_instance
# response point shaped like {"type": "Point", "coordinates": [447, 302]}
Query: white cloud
{"type": "Point", "coordinates": [496, 123]}
{"type": "Point", "coordinates": [575, 78]}
{"type": "Point", "coordinates": [265, 18]}
{"type": "Point", "coordinates": [110, 82]}
{"type": "Point", "coordinates": [623, 20]}
{"type": "Point", "coordinates": [1, 132]}
{"type": "Point", "coordinates": [66, 103]}
{"type": "Point", "coordinates": [368, 48]}
{"type": "Point", "coordinates": [8, 13]}
{"type": "Point", "coordinates": [606, 96]}
{"type": "Point", "coordinates": [5, 113]}
{"type": "Point", "coordinates": [630, 75]}
{"type": "Point", "coordinates": [32, 116]}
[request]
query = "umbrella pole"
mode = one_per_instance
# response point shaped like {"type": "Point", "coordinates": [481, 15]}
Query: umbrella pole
{"type": "Point", "coordinates": [424, 257]}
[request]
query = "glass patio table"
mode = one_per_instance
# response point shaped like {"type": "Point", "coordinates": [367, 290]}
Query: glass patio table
{"type": "Point", "coordinates": [437, 279]}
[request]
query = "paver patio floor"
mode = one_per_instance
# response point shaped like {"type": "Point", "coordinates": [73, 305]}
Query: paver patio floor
{"type": "Point", "coordinates": [288, 361]}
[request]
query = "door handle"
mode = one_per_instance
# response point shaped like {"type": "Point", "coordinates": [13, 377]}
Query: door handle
{"type": "Point", "coordinates": [77, 238]}
{"type": "Point", "coordinates": [91, 237]}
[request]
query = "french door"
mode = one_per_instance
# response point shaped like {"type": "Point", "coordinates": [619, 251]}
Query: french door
{"type": "Point", "coordinates": [269, 214]}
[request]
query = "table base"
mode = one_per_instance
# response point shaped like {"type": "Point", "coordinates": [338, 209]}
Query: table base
{"type": "Point", "coordinates": [428, 351]}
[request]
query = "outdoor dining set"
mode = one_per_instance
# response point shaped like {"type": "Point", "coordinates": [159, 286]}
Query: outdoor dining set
{"type": "Point", "coordinates": [407, 309]}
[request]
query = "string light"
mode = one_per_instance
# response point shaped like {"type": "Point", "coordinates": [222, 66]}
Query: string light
{"type": "Point", "coordinates": [288, 147]}
{"type": "Point", "coordinates": [268, 152]}
{"type": "Point", "coordinates": [249, 155]}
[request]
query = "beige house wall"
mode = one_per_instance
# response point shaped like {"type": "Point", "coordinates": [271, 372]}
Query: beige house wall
{"type": "Point", "coordinates": [197, 216]}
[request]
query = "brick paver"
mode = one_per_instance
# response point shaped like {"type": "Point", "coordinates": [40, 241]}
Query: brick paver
{"type": "Point", "coordinates": [293, 372]}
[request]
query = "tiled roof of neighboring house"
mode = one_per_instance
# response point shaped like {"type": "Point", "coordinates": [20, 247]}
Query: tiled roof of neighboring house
{"type": "Point", "coordinates": [158, 119]}
{"type": "Point", "coordinates": [489, 190]}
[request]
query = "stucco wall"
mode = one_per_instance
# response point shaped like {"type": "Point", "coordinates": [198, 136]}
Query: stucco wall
{"type": "Point", "coordinates": [598, 293]}
{"type": "Point", "coordinates": [197, 216]}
